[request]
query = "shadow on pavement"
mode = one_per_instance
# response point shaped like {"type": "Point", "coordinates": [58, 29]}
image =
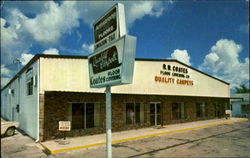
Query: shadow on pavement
{"type": "Point", "coordinates": [188, 141]}
{"type": "Point", "coordinates": [118, 146]}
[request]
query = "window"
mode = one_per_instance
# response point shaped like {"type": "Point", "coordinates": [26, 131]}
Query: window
{"type": "Point", "coordinates": [85, 115]}
{"type": "Point", "coordinates": [134, 113]}
{"type": "Point", "coordinates": [178, 111]}
{"type": "Point", "coordinates": [200, 109]}
{"type": "Point", "coordinates": [245, 108]}
{"type": "Point", "coordinates": [29, 81]}
{"type": "Point", "coordinates": [30, 86]}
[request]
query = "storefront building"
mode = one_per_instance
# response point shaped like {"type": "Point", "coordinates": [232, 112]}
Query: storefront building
{"type": "Point", "coordinates": [240, 104]}
{"type": "Point", "coordinates": [56, 88]}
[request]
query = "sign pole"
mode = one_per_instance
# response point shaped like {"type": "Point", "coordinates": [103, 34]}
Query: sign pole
{"type": "Point", "coordinates": [112, 62]}
{"type": "Point", "coordinates": [108, 122]}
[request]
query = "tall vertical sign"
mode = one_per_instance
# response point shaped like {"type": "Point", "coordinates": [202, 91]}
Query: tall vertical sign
{"type": "Point", "coordinates": [110, 26]}
{"type": "Point", "coordinates": [112, 62]}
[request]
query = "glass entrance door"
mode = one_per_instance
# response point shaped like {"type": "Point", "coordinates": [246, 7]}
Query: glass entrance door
{"type": "Point", "coordinates": [216, 110]}
{"type": "Point", "coordinates": [155, 114]}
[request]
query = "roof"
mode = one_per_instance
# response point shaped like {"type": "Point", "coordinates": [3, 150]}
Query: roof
{"type": "Point", "coordinates": [240, 96]}
{"type": "Point", "coordinates": [37, 56]}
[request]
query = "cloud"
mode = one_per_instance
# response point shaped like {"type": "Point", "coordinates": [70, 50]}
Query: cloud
{"type": "Point", "coordinates": [56, 20]}
{"type": "Point", "coordinates": [48, 26]}
{"type": "Point", "coordinates": [91, 11]}
{"type": "Point", "coordinates": [79, 35]}
{"type": "Point", "coordinates": [181, 55]}
{"type": "Point", "coordinates": [50, 20]}
{"type": "Point", "coordinates": [88, 48]}
{"type": "Point", "coordinates": [25, 24]}
{"type": "Point", "coordinates": [51, 51]}
{"type": "Point", "coordinates": [13, 42]}
{"type": "Point", "coordinates": [25, 58]}
{"type": "Point", "coordinates": [19, 32]}
{"type": "Point", "coordinates": [223, 62]}
{"type": "Point", "coordinates": [5, 71]}
{"type": "Point", "coordinates": [140, 9]}
{"type": "Point", "coordinates": [27, 7]}
{"type": "Point", "coordinates": [6, 74]}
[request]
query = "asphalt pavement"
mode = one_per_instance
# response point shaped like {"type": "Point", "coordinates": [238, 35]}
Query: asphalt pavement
{"type": "Point", "coordinates": [231, 139]}
{"type": "Point", "coordinates": [225, 140]}
{"type": "Point", "coordinates": [20, 145]}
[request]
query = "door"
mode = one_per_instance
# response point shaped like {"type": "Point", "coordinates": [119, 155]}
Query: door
{"type": "Point", "coordinates": [155, 114]}
{"type": "Point", "coordinates": [217, 110]}
{"type": "Point", "coordinates": [90, 122]}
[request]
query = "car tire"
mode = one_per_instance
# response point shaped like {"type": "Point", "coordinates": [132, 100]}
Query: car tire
{"type": "Point", "coordinates": [10, 131]}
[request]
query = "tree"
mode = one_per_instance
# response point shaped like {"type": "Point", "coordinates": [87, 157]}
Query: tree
{"type": "Point", "coordinates": [242, 89]}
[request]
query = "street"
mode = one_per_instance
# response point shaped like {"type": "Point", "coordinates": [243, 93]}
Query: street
{"type": "Point", "coordinates": [228, 140]}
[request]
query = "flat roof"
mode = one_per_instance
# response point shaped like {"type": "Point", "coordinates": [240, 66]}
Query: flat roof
{"type": "Point", "coordinates": [37, 56]}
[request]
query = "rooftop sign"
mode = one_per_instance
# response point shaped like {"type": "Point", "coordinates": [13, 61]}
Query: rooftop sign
{"type": "Point", "coordinates": [110, 26]}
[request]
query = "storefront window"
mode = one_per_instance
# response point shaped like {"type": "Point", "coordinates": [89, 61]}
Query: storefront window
{"type": "Point", "coordinates": [85, 115]}
{"type": "Point", "coordinates": [30, 86]}
{"type": "Point", "coordinates": [178, 111]}
{"type": "Point", "coordinates": [134, 113]}
{"type": "Point", "coordinates": [200, 109]}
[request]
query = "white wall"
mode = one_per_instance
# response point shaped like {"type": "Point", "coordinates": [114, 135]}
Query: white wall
{"type": "Point", "coordinates": [67, 74]}
{"type": "Point", "coordinates": [4, 104]}
{"type": "Point", "coordinates": [27, 115]}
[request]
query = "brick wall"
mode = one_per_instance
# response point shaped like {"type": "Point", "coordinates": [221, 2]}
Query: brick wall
{"type": "Point", "coordinates": [54, 107]}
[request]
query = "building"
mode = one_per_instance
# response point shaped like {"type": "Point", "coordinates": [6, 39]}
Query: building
{"type": "Point", "coordinates": [240, 105]}
{"type": "Point", "coordinates": [53, 88]}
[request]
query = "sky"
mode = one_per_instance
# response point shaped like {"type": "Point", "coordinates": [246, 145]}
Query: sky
{"type": "Point", "coordinates": [211, 36]}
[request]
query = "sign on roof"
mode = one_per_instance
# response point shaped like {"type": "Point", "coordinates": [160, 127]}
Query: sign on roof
{"type": "Point", "coordinates": [110, 26]}
{"type": "Point", "coordinates": [114, 64]}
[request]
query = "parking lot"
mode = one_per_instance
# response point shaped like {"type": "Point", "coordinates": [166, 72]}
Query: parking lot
{"type": "Point", "coordinates": [227, 140]}
{"type": "Point", "coordinates": [20, 145]}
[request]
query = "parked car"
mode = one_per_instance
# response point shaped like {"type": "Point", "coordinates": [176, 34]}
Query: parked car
{"type": "Point", "coordinates": [8, 128]}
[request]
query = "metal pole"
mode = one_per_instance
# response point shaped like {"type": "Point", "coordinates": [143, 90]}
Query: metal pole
{"type": "Point", "coordinates": [108, 122]}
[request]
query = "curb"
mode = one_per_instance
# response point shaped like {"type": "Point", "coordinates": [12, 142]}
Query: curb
{"type": "Point", "coordinates": [137, 138]}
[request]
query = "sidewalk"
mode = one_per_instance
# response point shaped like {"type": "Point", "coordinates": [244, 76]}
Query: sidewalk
{"type": "Point", "coordinates": [75, 143]}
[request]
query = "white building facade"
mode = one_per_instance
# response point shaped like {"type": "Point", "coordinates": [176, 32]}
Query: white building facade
{"type": "Point", "coordinates": [51, 88]}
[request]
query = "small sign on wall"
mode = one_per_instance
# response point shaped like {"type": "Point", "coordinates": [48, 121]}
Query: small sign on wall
{"type": "Point", "coordinates": [64, 126]}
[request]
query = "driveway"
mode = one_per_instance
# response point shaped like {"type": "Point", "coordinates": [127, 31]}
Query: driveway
{"type": "Point", "coordinates": [20, 145]}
